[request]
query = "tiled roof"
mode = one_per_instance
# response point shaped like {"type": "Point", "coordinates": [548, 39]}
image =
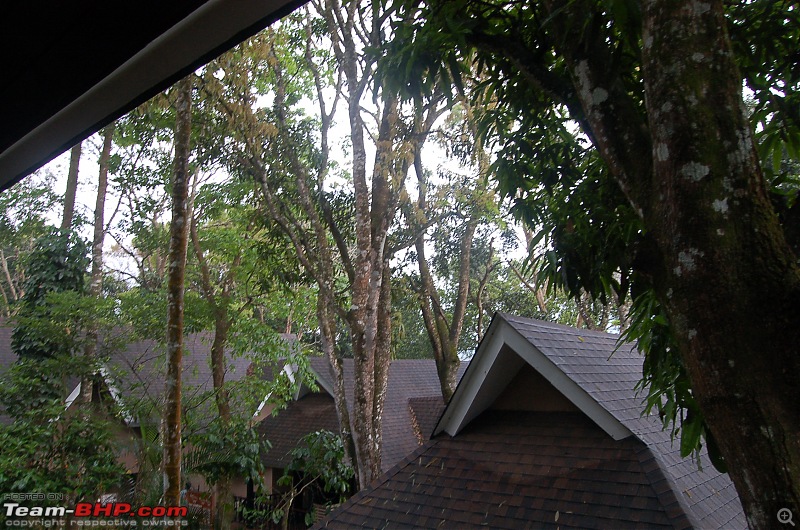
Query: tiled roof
{"type": "Point", "coordinates": [284, 429]}
{"type": "Point", "coordinates": [138, 371]}
{"type": "Point", "coordinates": [425, 412]}
{"type": "Point", "coordinates": [408, 379]}
{"type": "Point", "coordinates": [515, 469]}
{"type": "Point", "coordinates": [589, 358]}
{"type": "Point", "coordinates": [519, 470]}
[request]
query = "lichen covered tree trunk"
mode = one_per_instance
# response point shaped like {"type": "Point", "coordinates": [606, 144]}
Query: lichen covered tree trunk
{"type": "Point", "coordinates": [171, 433]}
{"type": "Point", "coordinates": [72, 187]}
{"type": "Point", "coordinates": [96, 278]}
{"type": "Point", "coordinates": [730, 283]}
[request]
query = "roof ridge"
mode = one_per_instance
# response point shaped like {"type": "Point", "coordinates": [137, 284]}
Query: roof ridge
{"type": "Point", "coordinates": [510, 318]}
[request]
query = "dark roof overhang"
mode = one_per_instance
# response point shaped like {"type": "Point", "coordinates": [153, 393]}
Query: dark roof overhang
{"type": "Point", "coordinates": [70, 68]}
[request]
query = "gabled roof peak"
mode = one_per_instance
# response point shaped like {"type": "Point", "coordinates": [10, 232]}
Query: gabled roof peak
{"type": "Point", "coordinates": [512, 342]}
{"type": "Point", "coordinates": [599, 375]}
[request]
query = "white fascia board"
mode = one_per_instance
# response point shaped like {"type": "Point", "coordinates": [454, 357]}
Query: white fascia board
{"type": "Point", "coordinates": [462, 406]}
{"type": "Point", "coordinates": [289, 370]}
{"type": "Point", "coordinates": [564, 384]}
{"type": "Point", "coordinates": [115, 394]}
{"type": "Point", "coordinates": [72, 397]}
{"type": "Point", "coordinates": [210, 26]}
{"type": "Point", "coordinates": [262, 405]}
{"type": "Point", "coordinates": [483, 382]}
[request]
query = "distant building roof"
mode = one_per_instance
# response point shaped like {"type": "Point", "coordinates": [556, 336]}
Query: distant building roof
{"type": "Point", "coordinates": [285, 429]}
{"type": "Point", "coordinates": [138, 371]}
{"type": "Point", "coordinates": [545, 429]}
{"type": "Point", "coordinates": [413, 397]}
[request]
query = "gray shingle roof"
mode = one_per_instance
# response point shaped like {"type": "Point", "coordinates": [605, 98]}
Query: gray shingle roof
{"type": "Point", "coordinates": [138, 372]}
{"type": "Point", "coordinates": [284, 429]}
{"type": "Point", "coordinates": [609, 376]}
{"type": "Point", "coordinates": [519, 470]}
{"type": "Point", "coordinates": [550, 469]}
{"type": "Point", "coordinates": [408, 379]}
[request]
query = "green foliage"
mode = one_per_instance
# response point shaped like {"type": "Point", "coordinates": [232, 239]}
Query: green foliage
{"type": "Point", "coordinates": [317, 464]}
{"type": "Point", "coordinates": [223, 450]}
{"type": "Point", "coordinates": [23, 211]}
{"type": "Point", "coordinates": [320, 456]}
{"type": "Point", "coordinates": [268, 353]}
{"type": "Point", "coordinates": [144, 311]}
{"type": "Point", "coordinates": [57, 264]}
{"type": "Point", "coordinates": [766, 36]}
{"type": "Point", "coordinates": [50, 449]}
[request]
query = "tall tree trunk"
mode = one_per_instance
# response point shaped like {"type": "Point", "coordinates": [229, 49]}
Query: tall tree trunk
{"type": "Point", "coordinates": [316, 236]}
{"type": "Point", "coordinates": [175, 291]}
{"type": "Point", "coordinates": [223, 516]}
{"type": "Point", "coordinates": [96, 279]}
{"type": "Point", "coordinates": [72, 188]}
{"type": "Point", "coordinates": [326, 316]}
{"type": "Point", "coordinates": [730, 282]}
{"type": "Point", "coordinates": [383, 348]}
{"type": "Point", "coordinates": [224, 513]}
{"type": "Point", "coordinates": [479, 292]}
{"type": "Point", "coordinates": [10, 281]}
{"type": "Point", "coordinates": [443, 335]}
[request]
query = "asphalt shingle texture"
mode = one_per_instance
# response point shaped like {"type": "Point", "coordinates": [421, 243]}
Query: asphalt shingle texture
{"type": "Point", "coordinates": [517, 470]}
{"type": "Point", "coordinates": [553, 470]}
{"type": "Point", "coordinates": [610, 374]}
{"type": "Point", "coordinates": [285, 429]}
{"type": "Point", "coordinates": [409, 379]}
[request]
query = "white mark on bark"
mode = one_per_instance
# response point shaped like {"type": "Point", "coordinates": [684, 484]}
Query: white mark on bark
{"type": "Point", "coordinates": [669, 292]}
{"type": "Point", "coordinates": [698, 57]}
{"type": "Point", "coordinates": [731, 363]}
{"type": "Point", "coordinates": [738, 156]}
{"type": "Point", "coordinates": [599, 95]}
{"type": "Point", "coordinates": [694, 171]}
{"type": "Point", "coordinates": [686, 261]}
{"type": "Point", "coordinates": [726, 184]}
{"type": "Point", "coordinates": [720, 232]}
{"type": "Point", "coordinates": [662, 152]}
{"type": "Point", "coordinates": [701, 8]}
{"type": "Point", "coordinates": [587, 94]}
{"type": "Point", "coordinates": [720, 205]}
{"type": "Point", "coordinates": [767, 431]}
{"type": "Point", "coordinates": [692, 334]}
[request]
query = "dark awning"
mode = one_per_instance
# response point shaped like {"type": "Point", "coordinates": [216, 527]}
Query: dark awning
{"type": "Point", "coordinates": [69, 68]}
